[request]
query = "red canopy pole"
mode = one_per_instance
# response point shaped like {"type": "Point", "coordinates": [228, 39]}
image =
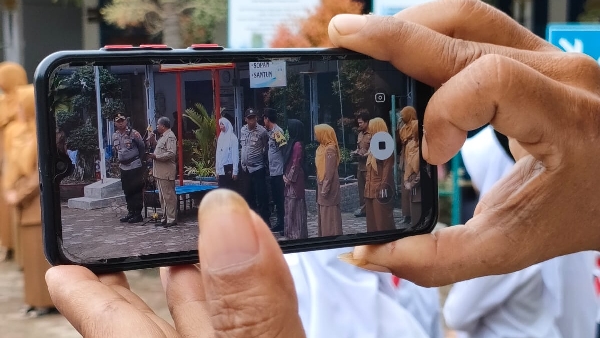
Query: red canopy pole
{"type": "Point", "coordinates": [217, 97]}
{"type": "Point", "coordinates": [179, 127]}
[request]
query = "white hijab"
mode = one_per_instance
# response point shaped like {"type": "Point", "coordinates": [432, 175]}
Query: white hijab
{"type": "Point", "coordinates": [225, 141]}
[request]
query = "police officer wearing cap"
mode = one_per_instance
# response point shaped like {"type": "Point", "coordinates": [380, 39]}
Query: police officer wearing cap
{"type": "Point", "coordinates": [255, 142]}
{"type": "Point", "coordinates": [130, 149]}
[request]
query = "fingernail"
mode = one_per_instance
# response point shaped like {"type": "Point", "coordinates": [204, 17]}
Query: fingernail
{"type": "Point", "coordinates": [163, 271]}
{"type": "Point", "coordinates": [347, 24]}
{"type": "Point", "coordinates": [361, 263]}
{"type": "Point", "coordinates": [227, 236]}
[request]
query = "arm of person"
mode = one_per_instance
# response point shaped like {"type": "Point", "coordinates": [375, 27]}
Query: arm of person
{"type": "Point", "coordinates": [139, 144]}
{"type": "Point", "coordinates": [292, 175]}
{"type": "Point", "coordinates": [26, 188]}
{"type": "Point", "coordinates": [235, 148]}
{"type": "Point", "coordinates": [170, 151]}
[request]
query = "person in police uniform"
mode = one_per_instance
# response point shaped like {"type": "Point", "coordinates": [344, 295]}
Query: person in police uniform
{"type": "Point", "coordinates": [360, 154]}
{"type": "Point", "coordinates": [165, 171]}
{"type": "Point", "coordinates": [255, 143]}
{"type": "Point", "coordinates": [130, 149]}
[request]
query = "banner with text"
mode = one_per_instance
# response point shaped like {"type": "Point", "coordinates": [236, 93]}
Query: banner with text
{"type": "Point", "coordinates": [267, 74]}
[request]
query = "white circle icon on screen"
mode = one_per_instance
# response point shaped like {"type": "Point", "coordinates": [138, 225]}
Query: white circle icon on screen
{"type": "Point", "coordinates": [382, 145]}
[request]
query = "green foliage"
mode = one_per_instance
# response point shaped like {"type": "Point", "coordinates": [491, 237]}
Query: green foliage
{"type": "Point", "coordinates": [200, 25]}
{"type": "Point", "coordinates": [203, 155]}
{"type": "Point", "coordinates": [356, 81]}
{"type": "Point", "coordinates": [591, 12]}
{"type": "Point", "coordinates": [67, 120]}
{"type": "Point", "coordinates": [289, 101]}
{"type": "Point", "coordinates": [189, 21]}
{"type": "Point", "coordinates": [84, 139]}
{"type": "Point", "coordinates": [73, 103]}
{"type": "Point", "coordinates": [189, 146]}
{"type": "Point", "coordinates": [111, 108]}
{"type": "Point", "coordinates": [85, 100]}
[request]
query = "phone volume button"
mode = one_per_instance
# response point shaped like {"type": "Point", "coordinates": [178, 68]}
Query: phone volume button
{"type": "Point", "coordinates": [206, 46]}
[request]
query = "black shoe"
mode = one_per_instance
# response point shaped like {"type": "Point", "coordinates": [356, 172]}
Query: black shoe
{"type": "Point", "coordinates": [126, 218]}
{"type": "Point", "coordinates": [136, 219]}
{"type": "Point", "coordinates": [168, 225]}
{"type": "Point", "coordinates": [163, 222]}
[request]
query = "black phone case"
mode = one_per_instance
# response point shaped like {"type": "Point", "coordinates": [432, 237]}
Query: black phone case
{"type": "Point", "coordinates": [50, 166]}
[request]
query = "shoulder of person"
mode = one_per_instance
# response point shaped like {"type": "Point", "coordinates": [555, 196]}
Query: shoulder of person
{"type": "Point", "coordinates": [135, 133]}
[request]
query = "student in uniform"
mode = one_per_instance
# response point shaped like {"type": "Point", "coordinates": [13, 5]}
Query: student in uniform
{"type": "Point", "coordinates": [336, 299]}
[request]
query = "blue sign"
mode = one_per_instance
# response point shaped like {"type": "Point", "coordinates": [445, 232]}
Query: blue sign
{"type": "Point", "coordinates": [579, 38]}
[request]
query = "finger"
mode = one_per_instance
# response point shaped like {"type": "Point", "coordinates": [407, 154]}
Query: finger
{"type": "Point", "coordinates": [476, 21]}
{"type": "Point", "coordinates": [401, 43]}
{"type": "Point", "coordinates": [95, 309]}
{"type": "Point", "coordinates": [247, 282]}
{"type": "Point", "coordinates": [492, 242]}
{"type": "Point", "coordinates": [515, 99]}
{"type": "Point", "coordinates": [186, 300]}
{"type": "Point", "coordinates": [119, 284]}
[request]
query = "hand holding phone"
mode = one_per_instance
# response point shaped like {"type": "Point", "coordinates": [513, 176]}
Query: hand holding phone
{"type": "Point", "coordinates": [205, 133]}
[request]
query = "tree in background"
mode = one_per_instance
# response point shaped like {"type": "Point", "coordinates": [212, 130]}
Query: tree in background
{"type": "Point", "coordinates": [591, 11]}
{"type": "Point", "coordinates": [311, 31]}
{"type": "Point", "coordinates": [177, 20]}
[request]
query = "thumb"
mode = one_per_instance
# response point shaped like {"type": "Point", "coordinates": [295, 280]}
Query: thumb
{"type": "Point", "coordinates": [248, 285]}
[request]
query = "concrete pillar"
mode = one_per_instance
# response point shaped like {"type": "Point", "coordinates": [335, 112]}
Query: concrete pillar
{"type": "Point", "coordinates": [12, 33]}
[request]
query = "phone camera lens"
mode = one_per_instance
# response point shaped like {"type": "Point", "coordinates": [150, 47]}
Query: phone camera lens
{"type": "Point", "coordinates": [61, 166]}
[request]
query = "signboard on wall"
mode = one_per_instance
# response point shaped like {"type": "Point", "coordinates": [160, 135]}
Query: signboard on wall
{"type": "Point", "coordinates": [253, 23]}
{"type": "Point", "coordinates": [391, 7]}
{"type": "Point", "coordinates": [267, 74]}
{"type": "Point", "coordinates": [576, 38]}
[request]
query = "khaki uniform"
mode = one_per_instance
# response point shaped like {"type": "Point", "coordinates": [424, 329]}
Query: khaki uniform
{"type": "Point", "coordinates": [378, 190]}
{"type": "Point", "coordinates": [364, 142]}
{"type": "Point", "coordinates": [165, 172]}
{"type": "Point", "coordinates": [329, 197]}
{"type": "Point", "coordinates": [11, 77]}
{"type": "Point", "coordinates": [22, 177]}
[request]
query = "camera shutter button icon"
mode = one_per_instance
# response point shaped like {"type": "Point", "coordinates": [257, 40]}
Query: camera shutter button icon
{"type": "Point", "coordinates": [382, 145]}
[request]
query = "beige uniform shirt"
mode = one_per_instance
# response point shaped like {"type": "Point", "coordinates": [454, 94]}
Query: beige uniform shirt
{"type": "Point", "coordinates": [165, 167]}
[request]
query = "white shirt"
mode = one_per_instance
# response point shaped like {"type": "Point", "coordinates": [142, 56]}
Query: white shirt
{"type": "Point", "coordinates": [227, 149]}
{"type": "Point", "coordinates": [485, 159]}
{"type": "Point", "coordinates": [422, 303]}
{"type": "Point", "coordinates": [339, 300]}
{"type": "Point", "coordinates": [511, 305]}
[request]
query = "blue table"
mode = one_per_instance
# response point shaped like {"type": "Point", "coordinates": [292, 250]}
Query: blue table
{"type": "Point", "coordinates": [184, 193]}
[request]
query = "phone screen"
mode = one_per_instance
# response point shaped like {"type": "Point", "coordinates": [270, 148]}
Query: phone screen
{"type": "Point", "coordinates": [324, 150]}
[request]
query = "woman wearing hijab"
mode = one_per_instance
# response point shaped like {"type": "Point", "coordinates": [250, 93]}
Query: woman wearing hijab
{"type": "Point", "coordinates": [228, 156]}
{"type": "Point", "coordinates": [327, 160]}
{"type": "Point", "coordinates": [379, 186]}
{"type": "Point", "coordinates": [295, 223]}
{"type": "Point", "coordinates": [409, 138]}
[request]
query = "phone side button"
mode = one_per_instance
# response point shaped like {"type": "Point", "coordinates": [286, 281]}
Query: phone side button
{"type": "Point", "coordinates": [117, 47]}
{"type": "Point", "coordinates": [155, 46]}
{"type": "Point", "coordinates": [206, 46]}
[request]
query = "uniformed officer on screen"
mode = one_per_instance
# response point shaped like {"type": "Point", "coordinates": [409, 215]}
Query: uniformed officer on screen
{"type": "Point", "coordinates": [130, 149]}
{"type": "Point", "coordinates": [165, 170]}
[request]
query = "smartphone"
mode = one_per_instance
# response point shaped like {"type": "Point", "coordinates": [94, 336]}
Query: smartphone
{"type": "Point", "coordinates": [324, 144]}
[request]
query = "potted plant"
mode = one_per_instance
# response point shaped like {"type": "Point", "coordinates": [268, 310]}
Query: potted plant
{"type": "Point", "coordinates": [203, 153]}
